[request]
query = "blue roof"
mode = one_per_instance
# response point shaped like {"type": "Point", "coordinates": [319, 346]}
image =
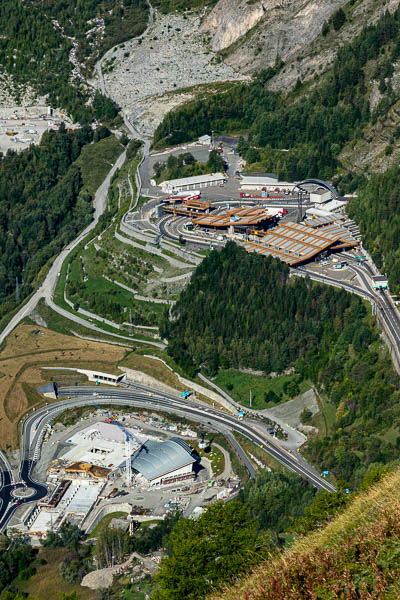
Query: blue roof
{"type": "Point", "coordinates": [155, 459]}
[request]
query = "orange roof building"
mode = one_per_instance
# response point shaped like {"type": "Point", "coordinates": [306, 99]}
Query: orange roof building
{"type": "Point", "coordinates": [87, 471]}
{"type": "Point", "coordinates": [189, 208]}
{"type": "Point", "coordinates": [238, 218]}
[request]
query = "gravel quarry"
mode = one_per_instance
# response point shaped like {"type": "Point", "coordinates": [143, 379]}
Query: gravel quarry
{"type": "Point", "coordinates": [148, 76]}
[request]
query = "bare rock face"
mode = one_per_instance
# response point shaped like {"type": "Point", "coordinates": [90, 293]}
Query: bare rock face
{"type": "Point", "coordinates": [276, 29]}
{"type": "Point", "coordinates": [230, 20]}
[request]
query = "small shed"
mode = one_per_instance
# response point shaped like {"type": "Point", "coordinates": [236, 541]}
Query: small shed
{"type": "Point", "coordinates": [320, 195]}
{"type": "Point", "coordinates": [205, 140]}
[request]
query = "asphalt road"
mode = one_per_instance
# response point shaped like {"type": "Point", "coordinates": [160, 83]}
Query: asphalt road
{"type": "Point", "coordinates": [206, 415]}
{"type": "Point", "coordinates": [34, 426]}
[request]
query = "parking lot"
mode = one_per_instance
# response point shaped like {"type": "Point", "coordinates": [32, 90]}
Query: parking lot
{"type": "Point", "coordinates": [230, 190]}
{"type": "Point", "coordinates": [329, 268]}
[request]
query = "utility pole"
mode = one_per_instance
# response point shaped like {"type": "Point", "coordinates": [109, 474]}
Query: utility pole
{"type": "Point", "coordinates": [250, 398]}
{"type": "Point", "coordinates": [299, 206]}
{"type": "Point", "coordinates": [128, 452]}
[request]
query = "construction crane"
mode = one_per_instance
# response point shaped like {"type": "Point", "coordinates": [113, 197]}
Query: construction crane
{"type": "Point", "coordinates": [128, 443]}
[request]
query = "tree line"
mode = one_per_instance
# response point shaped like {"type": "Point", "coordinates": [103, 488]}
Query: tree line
{"type": "Point", "coordinates": [377, 211]}
{"type": "Point", "coordinates": [35, 52]}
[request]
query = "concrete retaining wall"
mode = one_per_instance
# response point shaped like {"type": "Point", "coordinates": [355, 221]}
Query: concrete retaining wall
{"type": "Point", "coordinates": [147, 380]}
{"type": "Point", "coordinates": [93, 518]}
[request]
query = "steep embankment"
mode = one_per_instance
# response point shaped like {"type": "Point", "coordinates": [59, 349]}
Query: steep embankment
{"type": "Point", "coordinates": [356, 556]}
{"type": "Point", "coordinates": [255, 35]}
{"type": "Point", "coordinates": [303, 38]}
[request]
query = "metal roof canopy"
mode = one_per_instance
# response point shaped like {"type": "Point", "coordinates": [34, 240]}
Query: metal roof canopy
{"type": "Point", "coordinates": [193, 180]}
{"type": "Point", "coordinates": [236, 216]}
{"type": "Point", "coordinates": [294, 243]}
{"type": "Point", "coordinates": [318, 221]}
{"type": "Point", "coordinates": [324, 184]}
{"type": "Point", "coordinates": [155, 459]}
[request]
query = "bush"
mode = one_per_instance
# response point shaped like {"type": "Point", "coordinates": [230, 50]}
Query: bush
{"type": "Point", "coordinates": [306, 415]}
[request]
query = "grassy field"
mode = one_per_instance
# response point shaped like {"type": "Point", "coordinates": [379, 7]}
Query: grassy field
{"type": "Point", "coordinates": [153, 367]}
{"type": "Point", "coordinates": [22, 373]}
{"type": "Point", "coordinates": [214, 455]}
{"type": "Point", "coordinates": [325, 418]}
{"type": "Point", "coordinates": [96, 160]}
{"type": "Point", "coordinates": [47, 584]}
{"type": "Point", "coordinates": [238, 385]}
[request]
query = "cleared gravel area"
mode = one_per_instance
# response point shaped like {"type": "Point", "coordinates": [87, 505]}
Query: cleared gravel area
{"type": "Point", "coordinates": [290, 411]}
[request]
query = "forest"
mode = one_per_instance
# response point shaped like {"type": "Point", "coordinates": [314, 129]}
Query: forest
{"type": "Point", "coordinates": [186, 165]}
{"type": "Point", "coordinates": [122, 21]}
{"type": "Point", "coordinates": [377, 211]}
{"type": "Point", "coordinates": [42, 207]}
{"type": "Point", "coordinates": [35, 53]}
{"type": "Point", "coordinates": [38, 36]}
{"type": "Point", "coordinates": [314, 122]}
{"type": "Point", "coordinates": [243, 310]}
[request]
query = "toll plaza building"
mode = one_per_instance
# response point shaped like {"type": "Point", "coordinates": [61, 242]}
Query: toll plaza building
{"type": "Point", "coordinates": [190, 208]}
{"type": "Point", "coordinates": [239, 220]}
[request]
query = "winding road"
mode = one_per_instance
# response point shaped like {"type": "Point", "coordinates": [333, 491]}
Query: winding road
{"type": "Point", "coordinates": [46, 290]}
{"type": "Point", "coordinates": [34, 426]}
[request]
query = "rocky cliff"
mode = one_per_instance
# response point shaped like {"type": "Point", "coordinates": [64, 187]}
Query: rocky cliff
{"type": "Point", "coordinates": [265, 31]}
{"type": "Point", "coordinates": [231, 20]}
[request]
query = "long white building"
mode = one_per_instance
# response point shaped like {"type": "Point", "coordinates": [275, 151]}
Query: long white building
{"type": "Point", "coordinates": [192, 183]}
{"type": "Point", "coordinates": [258, 181]}
{"type": "Point", "coordinates": [268, 182]}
